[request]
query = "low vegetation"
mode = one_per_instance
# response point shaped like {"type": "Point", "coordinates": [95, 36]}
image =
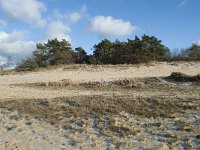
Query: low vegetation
{"type": "Point", "coordinates": [88, 106]}
{"type": "Point", "coordinates": [180, 77]}
{"type": "Point", "coordinates": [99, 105]}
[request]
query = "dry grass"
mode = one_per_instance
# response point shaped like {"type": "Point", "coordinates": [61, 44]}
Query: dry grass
{"type": "Point", "coordinates": [99, 85]}
{"type": "Point", "coordinates": [7, 72]}
{"type": "Point", "coordinates": [99, 106]}
{"type": "Point", "coordinates": [180, 77]}
{"type": "Point", "coordinates": [56, 110]}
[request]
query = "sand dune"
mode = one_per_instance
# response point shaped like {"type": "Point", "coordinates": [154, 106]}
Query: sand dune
{"type": "Point", "coordinates": [83, 74]}
{"type": "Point", "coordinates": [101, 107]}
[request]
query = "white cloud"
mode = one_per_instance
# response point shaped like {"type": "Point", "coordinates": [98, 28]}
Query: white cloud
{"type": "Point", "coordinates": [24, 10]}
{"type": "Point", "coordinates": [72, 17]}
{"type": "Point", "coordinates": [75, 16]}
{"type": "Point", "coordinates": [57, 29]}
{"type": "Point", "coordinates": [3, 23]}
{"type": "Point", "coordinates": [13, 45]}
{"type": "Point", "coordinates": [59, 24]}
{"type": "Point", "coordinates": [182, 3]}
{"type": "Point", "coordinates": [108, 26]}
{"type": "Point", "coordinates": [78, 15]}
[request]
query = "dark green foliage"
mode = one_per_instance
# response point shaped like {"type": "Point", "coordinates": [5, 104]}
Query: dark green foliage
{"type": "Point", "coordinates": [153, 48]}
{"type": "Point", "coordinates": [146, 49]}
{"type": "Point", "coordinates": [59, 52]}
{"type": "Point", "coordinates": [27, 65]}
{"type": "Point", "coordinates": [80, 55]}
{"type": "Point", "coordinates": [194, 52]}
{"type": "Point", "coordinates": [53, 52]}
{"type": "Point", "coordinates": [91, 60]}
{"type": "Point", "coordinates": [139, 50]}
{"type": "Point", "coordinates": [103, 51]}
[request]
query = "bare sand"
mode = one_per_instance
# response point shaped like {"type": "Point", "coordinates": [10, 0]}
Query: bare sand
{"type": "Point", "coordinates": [84, 74]}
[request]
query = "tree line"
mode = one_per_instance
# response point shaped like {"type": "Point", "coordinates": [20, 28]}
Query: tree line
{"type": "Point", "coordinates": [189, 54]}
{"type": "Point", "coordinates": [139, 50]}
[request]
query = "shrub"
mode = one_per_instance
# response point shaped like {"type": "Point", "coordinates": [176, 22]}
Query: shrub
{"type": "Point", "coordinates": [27, 65]}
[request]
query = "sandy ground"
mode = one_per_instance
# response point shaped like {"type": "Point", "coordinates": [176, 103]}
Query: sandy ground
{"type": "Point", "coordinates": [84, 74]}
{"type": "Point", "coordinates": [143, 112]}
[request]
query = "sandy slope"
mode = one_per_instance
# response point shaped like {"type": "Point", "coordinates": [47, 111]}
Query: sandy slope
{"type": "Point", "coordinates": [103, 73]}
{"type": "Point", "coordinates": [26, 126]}
{"type": "Point", "coordinates": [82, 74]}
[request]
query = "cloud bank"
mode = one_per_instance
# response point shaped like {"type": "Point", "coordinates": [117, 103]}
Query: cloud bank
{"type": "Point", "coordinates": [57, 29]}
{"type": "Point", "coordinates": [15, 46]}
{"type": "Point", "coordinates": [59, 25]}
{"type": "Point", "coordinates": [24, 10]}
{"type": "Point", "coordinates": [108, 26]}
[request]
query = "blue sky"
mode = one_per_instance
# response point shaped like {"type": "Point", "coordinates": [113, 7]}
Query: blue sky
{"type": "Point", "coordinates": [23, 23]}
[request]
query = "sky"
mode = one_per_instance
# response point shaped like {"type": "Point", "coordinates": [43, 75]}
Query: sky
{"type": "Point", "coordinates": [23, 23]}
